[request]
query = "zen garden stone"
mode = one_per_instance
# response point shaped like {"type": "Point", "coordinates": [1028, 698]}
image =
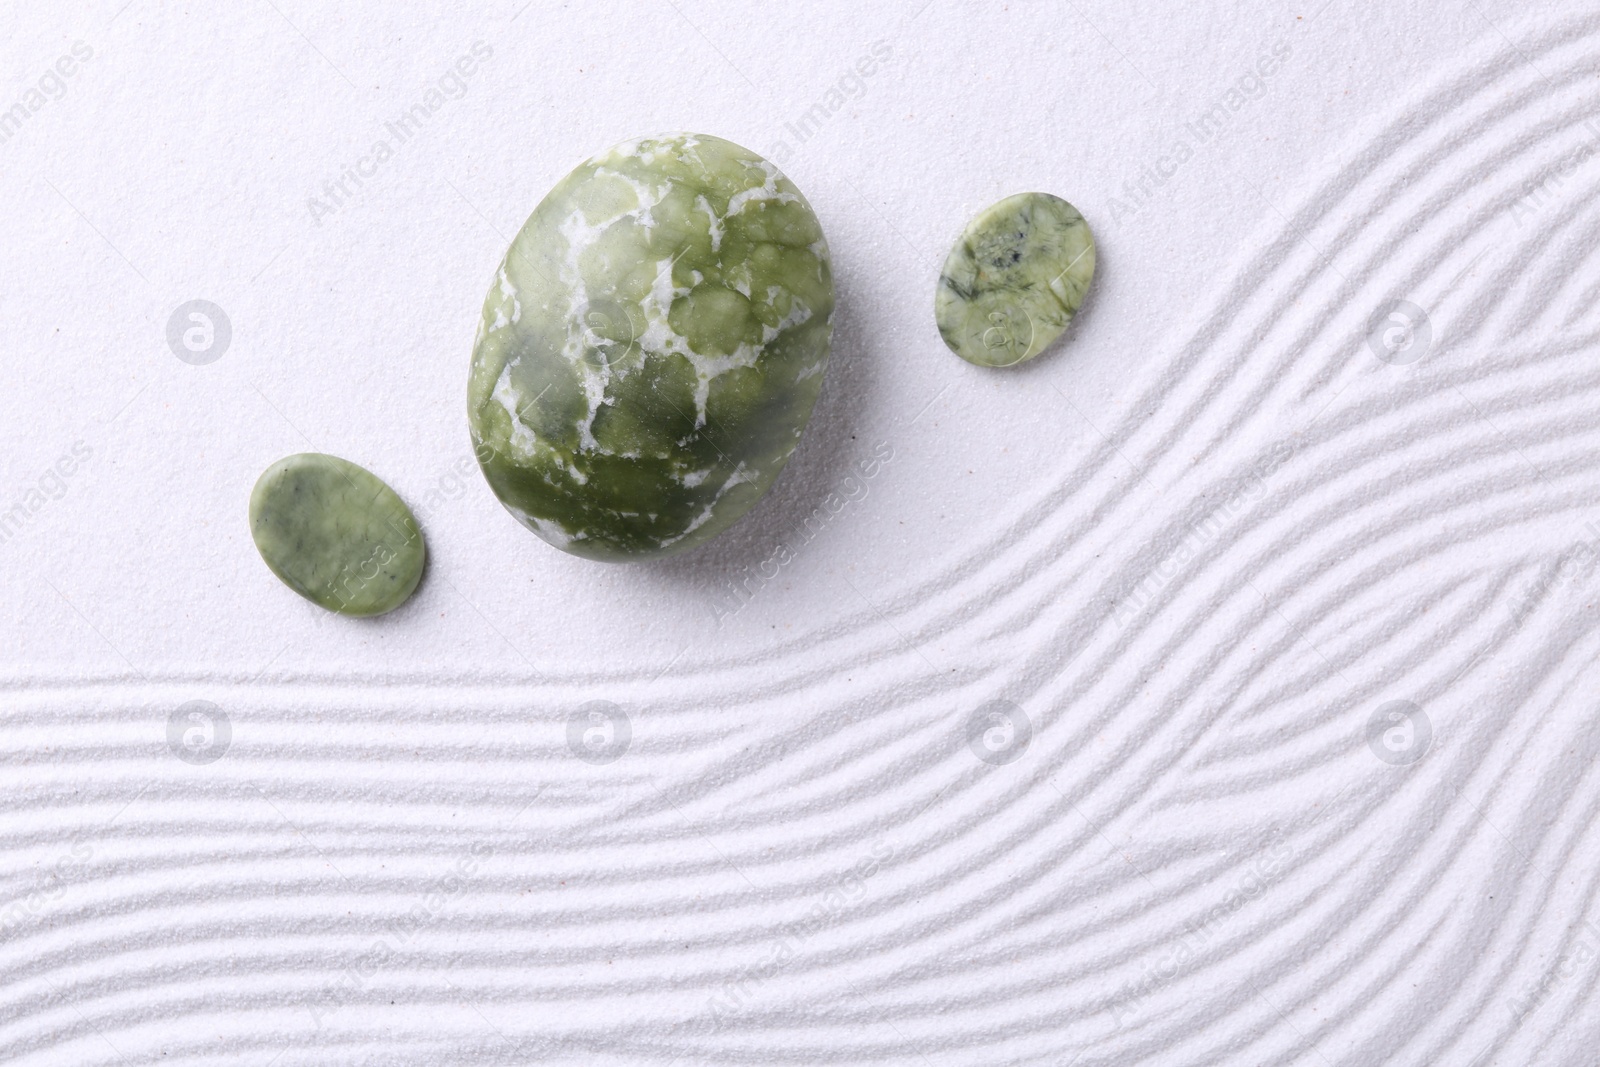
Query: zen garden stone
{"type": "Point", "coordinates": [336, 535]}
{"type": "Point", "coordinates": [651, 348]}
{"type": "Point", "coordinates": [1014, 280]}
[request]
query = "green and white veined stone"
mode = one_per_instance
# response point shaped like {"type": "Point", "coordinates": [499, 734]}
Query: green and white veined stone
{"type": "Point", "coordinates": [651, 348]}
{"type": "Point", "coordinates": [1014, 279]}
{"type": "Point", "coordinates": [337, 534]}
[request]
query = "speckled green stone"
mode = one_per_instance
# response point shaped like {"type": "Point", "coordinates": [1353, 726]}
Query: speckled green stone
{"type": "Point", "coordinates": [651, 348]}
{"type": "Point", "coordinates": [336, 534]}
{"type": "Point", "coordinates": [1014, 280]}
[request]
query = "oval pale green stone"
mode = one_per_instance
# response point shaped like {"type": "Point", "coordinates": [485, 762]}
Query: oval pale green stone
{"type": "Point", "coordinates": [1014, 279]}
{"type": "Point", "coordinates": [336, 534]}
{"type": "Point", "coordinates": [651, 348]}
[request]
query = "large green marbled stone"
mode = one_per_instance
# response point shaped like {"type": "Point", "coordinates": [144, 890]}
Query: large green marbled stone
{"type": "Point", "coordinates": [1014, 279]}
{"type": "Point", "coordinates": [336, 534]}
{"type": "Point", "coordinates": [651, 348]}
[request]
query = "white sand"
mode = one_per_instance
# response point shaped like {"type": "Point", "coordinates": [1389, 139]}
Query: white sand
{"type": "Point", "coordinates": [1199, 546]}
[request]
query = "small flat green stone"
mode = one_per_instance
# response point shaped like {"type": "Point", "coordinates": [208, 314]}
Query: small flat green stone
{"type": "Point", "coordinates": [1014, 280]}
{"type": "Point", "coordinates": [336, 534]}
{"type": "Point", "coordinates": [651, 348]}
